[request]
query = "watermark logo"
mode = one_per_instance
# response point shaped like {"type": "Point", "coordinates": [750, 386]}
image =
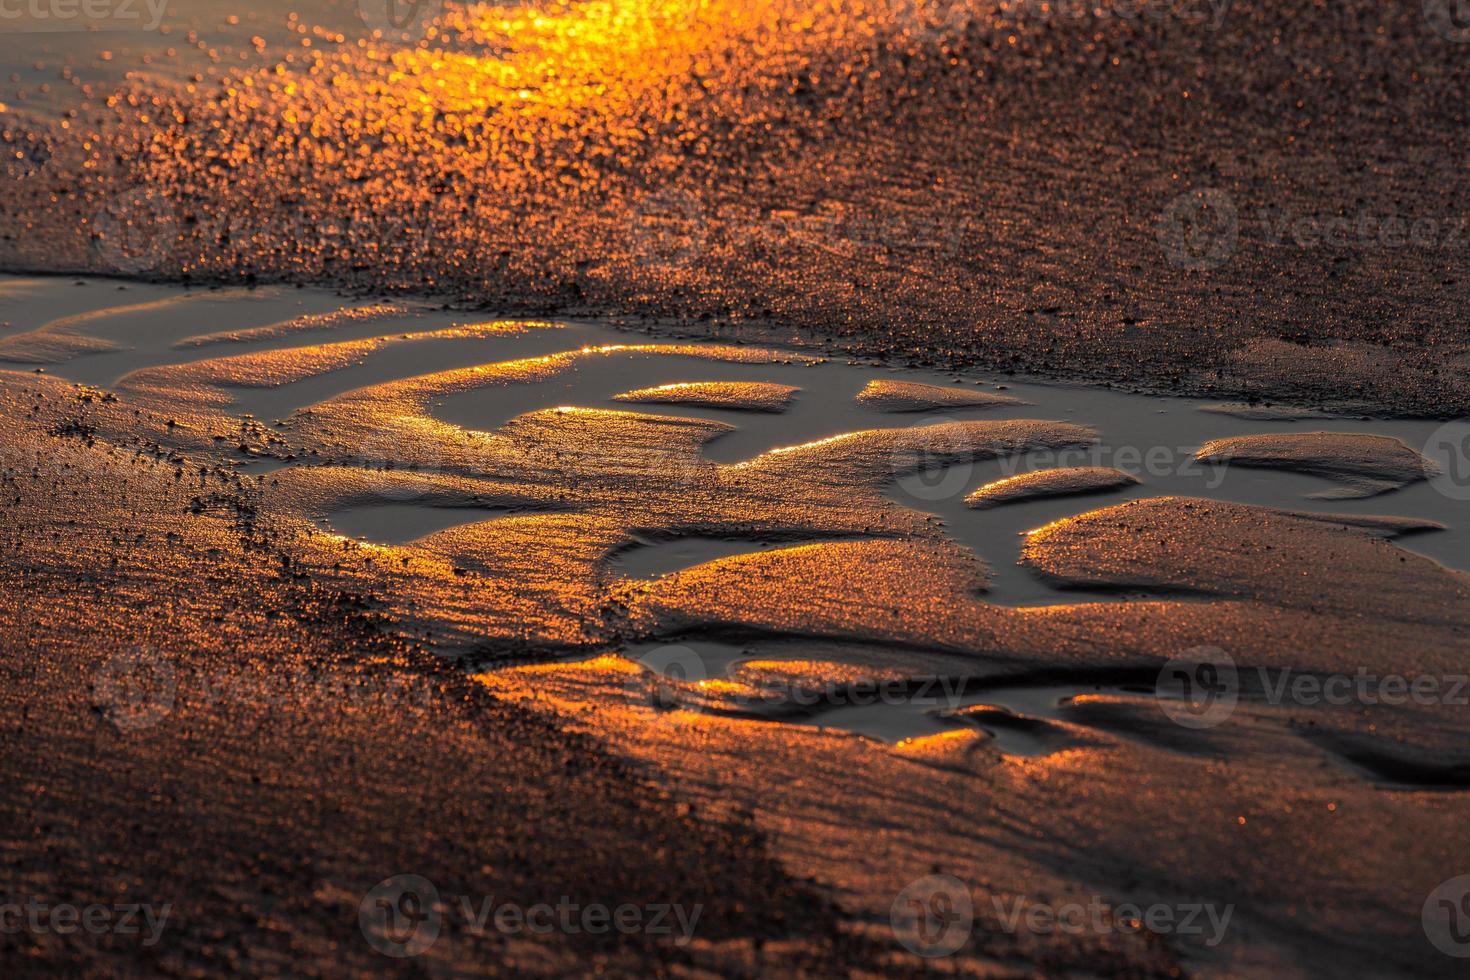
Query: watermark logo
{"type": "Point", "coordinates": [1099, 917]}
{"type": "Point", "coordinates": [400, 916]}
{"type": "Point", "coordinates": [1199, 688]}
{"type": "Point", "coordinates": [932, 20]}
{"type": "Point", "coordinates": [407, 449]}
{"type": "Point", "coordinates": [1195, 13]}
{"type": "Point", "coordinates": [135, 688]}
{"type": "Point", "coordinates": [936, 461]}
{"type": "Point", "coordinates": [933, 916]}
{"type": "Point", "coordinates": [668, 231]}
{"type": "Point", "coordinates": [1140, 461]}
{"type": "Point", "coordinates": [1449, 448]}
{"type": "Point", "coordinates": [22, 155]}
{"type": "Point", "coordinates": [677, 469]}
{"type": "Point", "coordinates": [403, 20]}
{"type": "Point", "coordinates": [1199, 230]}
{"type": "Point", "coordinates": [134, 232]}
{"type": "Point", "coordinates": [667, 670]}
{"type": "Point", "coordinates": [1450, 19]}
{"type": "Point", "coordinates": [1446, 917]}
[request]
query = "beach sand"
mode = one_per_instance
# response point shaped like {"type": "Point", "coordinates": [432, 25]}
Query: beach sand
{"type": "Point", "coordinates": [1256, 200]}
{"type": "Point", "coordinates": [517, 458]}
{"type": "Point", "coordinates": [305, 594]}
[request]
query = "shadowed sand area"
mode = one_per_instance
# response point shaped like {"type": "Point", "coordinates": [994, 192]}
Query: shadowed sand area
{"type": "Point", "coordinates": [393, 588]}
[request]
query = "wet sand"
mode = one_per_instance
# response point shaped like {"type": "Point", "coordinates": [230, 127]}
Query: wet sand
{"type": "Point", "coordinates": [434, 599]}
{"type": "Point", "coordinates": [1236, 200]}
{"type": "Point", "coordinates": [594, 525]}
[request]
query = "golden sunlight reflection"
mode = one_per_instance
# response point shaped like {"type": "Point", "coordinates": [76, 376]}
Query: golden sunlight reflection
{"type": "Point", "coordinates": [815, 674]}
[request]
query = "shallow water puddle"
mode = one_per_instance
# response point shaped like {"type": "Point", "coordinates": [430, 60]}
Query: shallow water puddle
{"type": "Point", "coordinates": [424, 430]}
{"type": "Point", "coordinates": [402, 523]}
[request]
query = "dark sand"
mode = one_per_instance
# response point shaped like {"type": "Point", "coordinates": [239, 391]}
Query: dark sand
{"type": "Point", "coordinates": [263, 803]}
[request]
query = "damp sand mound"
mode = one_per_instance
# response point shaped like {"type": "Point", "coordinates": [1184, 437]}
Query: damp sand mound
{"type": "Point", "coordinates": [738, 396]}
{"type": "Point", "coordinates": [1364, 465]}
{"type": "Point", "coordinates": [910, 396]}
{"type": "Point", "coordinates": [1068, 482]}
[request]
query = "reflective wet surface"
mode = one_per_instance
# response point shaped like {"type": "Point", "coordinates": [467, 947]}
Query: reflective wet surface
{"type": "Point", "coordinates": [797, 611]}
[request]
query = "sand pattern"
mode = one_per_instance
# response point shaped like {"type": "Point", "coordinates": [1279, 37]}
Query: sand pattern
{"type": "Point", "coordinates": [746, 396]}
{"type": "Point", "coordinates": [1364, 465]}
{"type": "Point", "coordinates": [740, 676]}
{"type": "Point", "coordinates": [909, 396]}
{"type": "Point", "coordinates": [1074, 481]}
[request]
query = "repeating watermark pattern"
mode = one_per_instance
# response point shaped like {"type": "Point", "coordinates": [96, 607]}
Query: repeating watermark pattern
{"type": "Point", "coordinates": [56, 16]}
{"type": "Point", "coordinates": [401, 20]}
{"type": "Point", "coordinates": [1198, 231]}
{"type": "Point", "coordinates": [403, 449]}
{"type": "Point", "coordinates": [1201, 230]}
{"type": "Point", "coordinates": [403, 917]}
{"type": "Point", "coordinates": [1450, 19]}
{"type": "Point", "coordinates": [570, 918]}
{"type": "Point", "coordinates": [134, 232]}
{"type": "Point", "coordinates": [683, 666]}
{"type": "Point", "coordinates": [1449, 448]}
{"type": "Point", "coordinates": [933, 916]}
{"type": "Point", "coordinates": [1209, 14]}
{"type": "Point", "coordinates": [668, 230]}
{"type": "Point", "coordinates": [400, 917]}
{"type": "Point", "coordinates": [840, 230]}
{"type": "Point", "coordinates": [939, 464]}
{"type": "Point", "coordinates": [936, 463]}
{"type": "Point", "coordinates": [135, 688]}
{"type": "Point", "coordinates": [932, 691]}
{"type": "Point", "coordinates": [666, 670]}
{"type": "Point", "coordinates": [22, 155]}
{"type": "Point", "coordinates": [1199, 688]}
{"type": "Point", "coordinates": [933, 20]}
{"type": "Point", "coordinates": [1202, 687]}
{"type": "Point", "coordinates": [1098, 917]}
{"type": "Point", "coordinates": [63, 919]}
{"type": "Point", "coordinates": [674, 230]}
{"type": "Point", "coordinates": [1446, 917]}
{"type": "Point", "coordinates": [1364, 230]}
{"type": "Point", "coordinates": [287, 684]}
{"type": "Point", "coordinates": [950, 20]}
{"type": "Point", "coordinates": [678, 469]}
{"type": "Point", "coordinates": [1141, 461]}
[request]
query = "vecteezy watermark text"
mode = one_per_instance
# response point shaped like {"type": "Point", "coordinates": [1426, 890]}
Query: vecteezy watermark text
{"type": "Point", "coordinates": [1203, 229]}
{"type": "Point", "coordinates": [64, 919]}
{"type": "Point", "coordinates": [1099, 917]}
{"type": "Point", "coordinates": [54, 16]}
{"type": "Point", "coordinates": [402, 916]}
{"type": "Point", "coordinates": [934, 916]}
{"type": "Point", "coordinates": [1202, 687]}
